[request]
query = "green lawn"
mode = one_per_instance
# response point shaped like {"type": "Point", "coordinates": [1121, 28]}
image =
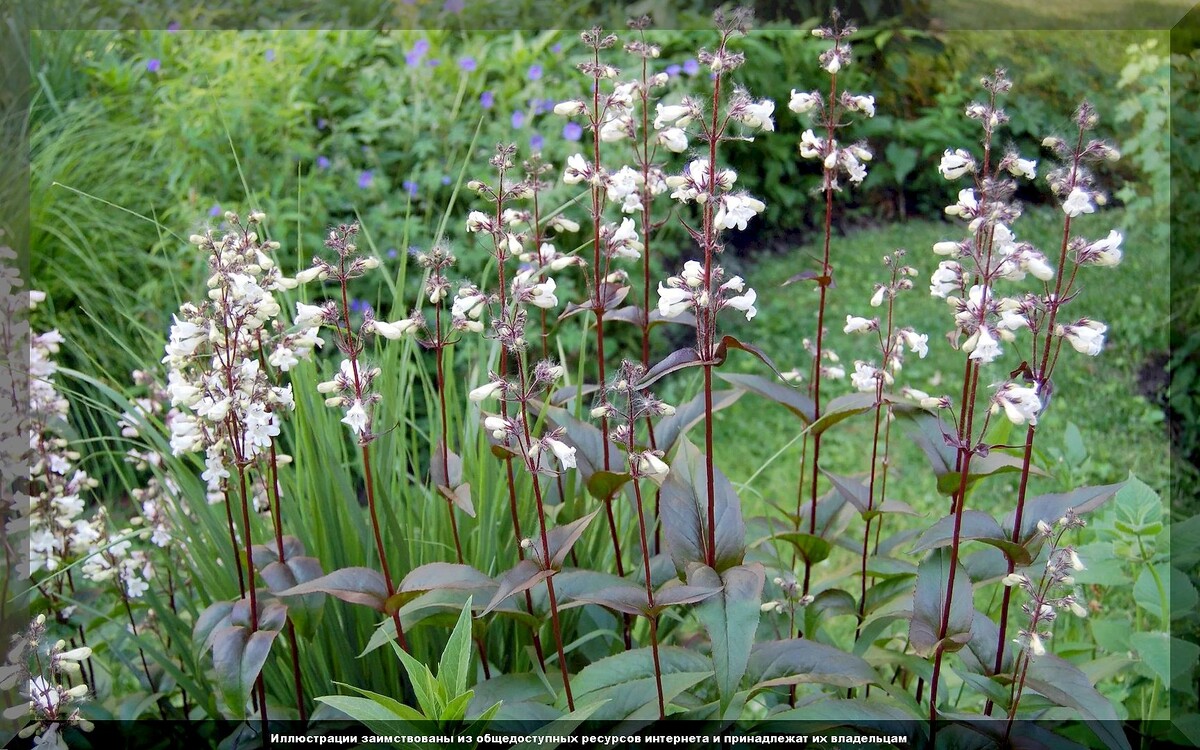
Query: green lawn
{"type": "Point", "coordinates": [1123, 432]}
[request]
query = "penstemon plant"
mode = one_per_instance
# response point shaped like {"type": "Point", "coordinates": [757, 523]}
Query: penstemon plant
{"type": "Point", "coordinates": [685, 605]}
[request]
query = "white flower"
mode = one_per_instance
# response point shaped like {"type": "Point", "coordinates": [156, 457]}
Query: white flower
{"type": "Point", "coordinates": [1036, 264]}
{"type": "Point", "coordinates": [758, 115]}
{"type": "Point", "coordinates": [811, 147]}
{"type": "Point", "coordinates": [185, 337]}
{"type": "Point", "coordinates": [625, 187]}
{"type": "Point", "coordinates": [652, 467]}
{"type": "Point", "coordinates": [1078, 202]}
{"type": "Point", "coordinates": [675, 140]}
{"type": "Point", "coordinates": [946, 279]}
{"type": "Point", "coordinates": [569, 108]}
{"type": "Point", "coordinates": [1087, 336]}
{"type": "Point", "coordinates": [917, 342]}
{"type": "Point", "coordinates": [1026, 168]}
{"type": "Point", "coordinates": [45, 697]}
{"type": "Point", "coordinates": [310, 274]}
{"type": "Point", "coordinates": [542, 295]}
{"type": "Point", "coordinates": [486, 391]}
{"type": "Point", "coordinates": [745, 303]}
{"type": "Point", "coordinates": [947, 248]}
{"type": "Point", "coordinates": [1077, 609]}
{"type": "Point", "coordinates": [803, 101]}
{"type": "Point", "coordinates": [356, 417]}
{"type": "Point", "coordinates": [1073, 559]}
{"type": "Point", "coordinates": [880, 295]}
{"type": "Point", "coordinates": [982, 346]}
{"type": "Point", "coordinates": [834, 64]}
{"type": "Point", "coordinates": [478, 221]}
{"type": "Point", "coordinates": [736, 210]}
{"type": "Point", "coordinates": [623, 241]}
{"type": "Point", "coordinates": [956, 163]}
{"type": "Point", "coordinates": [1014, 579]}
{"type": "Point", "coordinates": [563, 452]}
{"type": "Point", "coordinates": [498, 426]}
{"type": "Point", "coordinates": [1106, 252]}
{"type": "Point", "coordinates": [864, 104]}
{"type": "Point", "coordinates": [966, 206]}
{"type": "Point", "coordinates": [693, 274]}
{"type": "Point", "coordinates": [394, 330]}
{"type": "Point", "coordinates": [856, 324]}
{"type": "Point", "coordinates": [673, 302]}
{"type": "Point", "coordinates": [865, 376]}
{"type": "Point", "coordinates": [675, 114]}
{"type": "Point", "coordinates": [1020, 403]}
{"type": "Point", "coordinates": [1035, 645]}
{"type": "Point", "coordinates": [577, 170]}
{"type": "Point", "coordinates": [135, 587]}
{"type": "Point", "coordinates": [308, 316]}
{"type": "Point", "coordinates": [468, 305]}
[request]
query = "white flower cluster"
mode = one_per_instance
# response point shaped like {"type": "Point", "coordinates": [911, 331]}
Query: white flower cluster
{"type": "Point", "coordinates": [512, 429]}
{"type": "Point", "coordinates": [830, 112]}
{"type": "Point", "coordinates": [1053, 590]}
{"type": "Point", "coordinates": [691, 290]}
{"type": "Point", "coordinates": [48, 675]}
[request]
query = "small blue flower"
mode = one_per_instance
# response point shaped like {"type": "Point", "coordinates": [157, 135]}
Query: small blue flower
{"type": "Point", "coordinates": [691, 67]}
{"type": "Point", "coordinates": [487, 99]}
{"type": "Point", "coordinates": [572, 131]}
{"type": "Point", "coordinates": [557, 48]}
{"type": "Point", "coordinates": [215, 210]}
{"type": "Point", "coordinates": [467, 64]}
{"type": "Point", "coordinates": [535, 72]}
{"type": "Point", "coordinates": [674, 70]}
{"type": "Point", "coordinates": [433, 62]}
{"type": "Point", "coordinates": [269, 55]}
{"type": "Point", "coordinates": [322, 162]}
{"type": "Point", "coordinates": [153, 65]}
{"type": "Point", "coordinates": [518, 120]}
{"type": "Point", "coordinates": [391, 253]}
{"type": "Point", "coordinates": [411, 186]}
{"type": "Point", "coordinates": [445, 179]}
{"type": "Point", "coordinates": [536, 141]}
{"type": "Point", "coordinates": [172, 27]}
{"type": "Point", "coordinates": [365, 178]}
{"type": "Point", "coordinates": [322, 123]}
{"type": "Point", "coordinates": [454, 6]}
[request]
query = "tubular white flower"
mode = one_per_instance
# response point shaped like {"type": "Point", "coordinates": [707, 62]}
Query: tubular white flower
{"type": "Point", "coordinates": [736, 210]}
{"type": "Point", "coordinates": [1106, 252]}
{"type": "Point", "coordinates": [308, 316]}
{"type": "Point", "coordinates": [856, 324]}
{"type": "Point", "coordinates": [1086, 336]}
{"type": "Point", "coordinates": [674, 139]}
{"type": "Point", "coordinates": [956, 163]}
{"type": "Point", "coordinates": [478, 221]}
{"type": "Point", "coordinates": [542, 295]}
{"type": "Point", "coordinates": [394, 330]}
{"type": "Point", "coordinates": [311, 274]}
{"type": "Point", "coordinates": [982, 346]}
{"type": "Point", "coordinates": [759, 115]}
{"type": "Point", "coordinates": [1078, 202]}
{"type": "Point", "coordinates": [803, 102]}
{"type": "Point", "coordinates": [864, 104]}
{"type": "Point", "coordinates": [356, 417]}
{"type": "Point", "coordinates": [918, 343]}
{"type": "Point", "coordinates": [745, 303]}
{"type": "Point", "coordinates": [673, 302]}
{"type": "Point", "coordinates": [1020, 403]}
{"type": "Point", "coordinates": [563, 452]}
{"type": "Point", "coordinates": [1026, 168]}
{"type": "Point", "coordinates": [577, 171]}
{"type": "Point", "coordinates": [498, 426]}
{"type": "Point", "coordinates": [569, 108]}
{"type": "Point", "coordinates": [485, 391]}
{"type": "Point", "coordinates": [652, 467]}
{"type": "Point", "coordinates": [674, 114]}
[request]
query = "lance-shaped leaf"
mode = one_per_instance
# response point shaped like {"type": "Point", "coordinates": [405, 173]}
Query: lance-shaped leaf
{"type": "Point", "coordinates": [812, 549]}
{"type": "Point", "coordinates": [827, 605]}
{"type": "Point", "coordinates": [305, 611]}
{"type": "Point", "coordinates": [938, 441]}
{"type": "Point", "coordinates": [524, 575]}
{"type": "Point", "coordinates": [979, 656]}
{"type": "Point", "coordinates": [438, 576]}
{"type": "Point", "coordinates": [561, 539]}
{"type": "Point", "coordinates": [841, 409]}
{"type": "Point", "coordinates": [833, 514]}
{"type": "Point", "coordinates": [355, 585]}
{"type": "Point", "coordinates": [238, 658]}
{"type": "Point", "coordinates": [568, 393]}
{"type": "Point", "coordinates": [603, 485]}
{"type": "Point", "coordinates": [978, 526]}
{"type": "Point", "coordinates": [1050, 508]}
{"type": "Point", "coordinates": [1064, 684]}
{"type": "Point", "coordinates": [272, 614]}
{"type": "Point", "coordinates": [732, 342]}
{"type": "Point", "coordinates": [683, 508]}
{"type": "Point", "coordinates": [731, 619]}
{"type": "Point", "coordinates": [859, 495]}
{"type": "Point", "coordinates": [929, 606]}
{"type": "Point", "coordinates": [784, 395]}
{"type": "Point", "coordinates": [631, 600]}
{"type": "Point", "coordinates": [446, 472]}
{"type": "Point", "coordinates": [676, 360]}
{"type": "Point", "coordinates": [627, 681]}
{"type": "Point", "coordinates": [799, 661]}
{"type": "Point", "coordinates": [686, 415]}
{"type": "Point", "coordinates": [214, 617]}
{"type": "Point", "coordinates": [265, 554]}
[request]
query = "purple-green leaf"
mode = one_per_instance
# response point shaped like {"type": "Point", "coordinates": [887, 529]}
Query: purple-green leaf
{"type": "Point", "coordinates": [238, 658]}
{"type": "Point", "coordinates": [439, 576]}
{"type": "Point", "coordinates": [676, 360]}
{"type": "Point", "coordinates": [355, 585]}
{"type": "Point", "coordinates": [686, 415]}
{"type": "Point", "coordinates": [732, 342]}
{"type": "Point", "coordinates": [524, 575]}
{"type": "Point", "coordinates": [800, 661]}
{"type": "Point", "coordinates": [603, 485]}
{"type": "Point", "coordinates": [929, 606]}
{"type": "Point", "coordinates": [1050, 508]}
{"type": "Point", "coordinates": [975, 525]}
{"type": "Point", "coordinates": [784, 395]}
{"type": "Point", "coordinates": [561, 539]}
{"type": "Point", "coordinates": [683, 509]}
{"type": "Point", "coordinates": [841, 409]}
